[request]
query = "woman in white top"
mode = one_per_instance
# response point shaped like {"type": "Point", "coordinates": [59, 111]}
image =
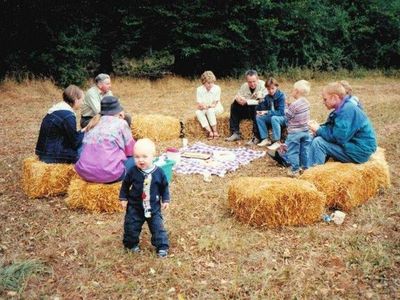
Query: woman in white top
{"type": "Point", "coordinates": [209, 104]}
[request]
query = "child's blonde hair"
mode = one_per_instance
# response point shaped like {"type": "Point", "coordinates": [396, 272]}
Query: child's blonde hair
{"type": "Point", "coordinates": [208, 76]}
{"type": "Point", "coordinates": [146, 144]}
{"type": "Point", "coordinates": [335, 88]}
{"type": "Point", "coordinates": [347, 86]}
{"type": "Point", "coordinates": [303, 86]}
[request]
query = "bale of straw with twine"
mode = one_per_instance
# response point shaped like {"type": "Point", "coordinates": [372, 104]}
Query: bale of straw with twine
{"type": "Point", "coordinates": [156, 127]}
{"type": "Point", "coordinates": [275, 202]}
{"type": "Point", "coordinates": [347, 185]}
{"type": "Point", "coordinates": [40, 179]}
{"type": "Point", "coordinates": [94, 197]}
{"type": "Point", "coordinates": [193, 128]}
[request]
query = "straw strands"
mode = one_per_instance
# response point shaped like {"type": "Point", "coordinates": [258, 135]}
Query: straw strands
{"type": "Point", "coordinates": [193, 128]}
{"type": "Point", "coordinates": [275, 202]}
{"type": "Point", "coordinates": [349, 185]}
{"type": "Point", "coordinates": [156, 127]}
{"type": "Point", "coordinates": [94, 197]}
{"type": "Point", "coordinates": [45, 180]}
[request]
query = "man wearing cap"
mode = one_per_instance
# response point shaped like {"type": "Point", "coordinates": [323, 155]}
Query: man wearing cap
{"type": "Point", "coordinates": [107, 145]}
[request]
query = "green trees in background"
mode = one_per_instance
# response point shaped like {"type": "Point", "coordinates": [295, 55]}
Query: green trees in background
{"type": "Point", "coordinates": [71, 41]}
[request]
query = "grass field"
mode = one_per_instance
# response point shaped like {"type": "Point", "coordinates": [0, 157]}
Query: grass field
{"type": "Point", "coordinates": [212, 255]}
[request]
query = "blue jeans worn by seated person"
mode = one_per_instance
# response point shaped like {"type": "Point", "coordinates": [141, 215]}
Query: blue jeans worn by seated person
{"type": "Point", "coordinates": [277, 122]}
{"type": "Point", "coordinates": [128, 163]}
{"type": "Point", "coordinates": [263, 121]}
{"type": "Point", "coordinates": [298, 145]}
{"type": "Point", "coordinates": [320, 150]}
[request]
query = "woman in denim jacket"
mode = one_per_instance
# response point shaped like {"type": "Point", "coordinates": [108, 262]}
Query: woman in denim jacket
{"type": "Point", "coordinates": [58, 140]}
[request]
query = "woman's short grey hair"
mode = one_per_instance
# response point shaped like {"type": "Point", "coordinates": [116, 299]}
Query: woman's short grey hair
{"type": "Point", "coordinates": [101, 77]}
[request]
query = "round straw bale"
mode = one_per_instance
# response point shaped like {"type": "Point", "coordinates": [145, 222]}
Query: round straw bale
{"type": "Point", "coordinates": [94, 197]}
{"type": "Point", "coordinates": [349, 185]}
{"type": "Point", "coordinates": [40, 179]}
{"type": "Point", "coordinates": [275, 202]}
{"type": "Point", "coordinates": [193, 128]}
{"type": "Point", "coordinates": [156, 127]}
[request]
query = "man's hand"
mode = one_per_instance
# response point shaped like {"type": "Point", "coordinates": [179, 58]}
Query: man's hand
{"type": "Point", "coordinates": [124, 203]}
{"type": "Point", "coordinates": [165, 205]}
{"type": "Point", "coordinates": [241, 100]}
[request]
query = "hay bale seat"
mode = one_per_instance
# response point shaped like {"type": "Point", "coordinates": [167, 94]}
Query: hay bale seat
{"type": "Point", "coordinates": [94, 197]}
{"type": "Point", "coordinates": [41, 180]}
{"type": "Point", "coordinates": [193, 128]}
{"type": "Point", "coordinates": [347, 185]}
{"type": "Point", "coordinates": [275, 202]}
{"type": "Point", "coordinates": [156, 127]}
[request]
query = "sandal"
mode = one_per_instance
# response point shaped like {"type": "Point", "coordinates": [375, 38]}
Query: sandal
{"type": "Point", "coordinates": [210, 135]}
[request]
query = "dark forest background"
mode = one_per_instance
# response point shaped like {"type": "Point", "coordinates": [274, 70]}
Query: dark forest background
{"type": "Point", "coordinates": [71, 41]}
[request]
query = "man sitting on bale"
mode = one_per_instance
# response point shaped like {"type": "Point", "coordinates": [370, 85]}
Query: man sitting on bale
{"type": "Point", "coordinates": [244, 106]}
{"type": "Point", "coordinates": [91, 103]}
{"type": "Point", "coordinates": [347, 135]}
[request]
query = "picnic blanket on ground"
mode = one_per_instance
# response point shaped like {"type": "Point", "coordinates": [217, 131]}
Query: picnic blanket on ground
{"type": "Point", "coordinates": [243, 156]}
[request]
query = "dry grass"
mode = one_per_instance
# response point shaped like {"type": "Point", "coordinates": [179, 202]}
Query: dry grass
{"type": "Point", "coordinates": [213, 256]}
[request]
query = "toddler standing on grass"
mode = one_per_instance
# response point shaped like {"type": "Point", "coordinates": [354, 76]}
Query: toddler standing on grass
{"type": "Point", "coordinates": [299, 139]}
{"type": "Point", "coordinates": [144, 192]}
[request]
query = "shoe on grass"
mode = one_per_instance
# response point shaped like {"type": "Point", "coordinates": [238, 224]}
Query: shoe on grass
{"type": "Point", "coordinates": [264, 143]}
{"type": "Point", "coordinates": [293, 174]}
{"type": "Point", "coordinates": [162, 253]}
{"type": "Point", "coordinates": [275, 146]}
{"type": "Point", "coordinates": [234, 137]}
{"type": "Point", "coordinates": [135, 249]}
{"type": "Point", "coordinates": [253, 141]}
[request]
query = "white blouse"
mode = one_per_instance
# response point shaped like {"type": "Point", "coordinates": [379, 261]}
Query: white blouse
{"type": "Point", "coordinates": [207, 97]}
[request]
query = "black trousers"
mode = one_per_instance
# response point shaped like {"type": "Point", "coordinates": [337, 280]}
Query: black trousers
{"type": "Point", "coordinates": [242, 112]}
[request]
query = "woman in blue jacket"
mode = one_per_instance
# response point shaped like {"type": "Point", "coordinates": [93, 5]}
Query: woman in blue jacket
{"type": "Point", "coordinates": [58, 140]}
{"type": "Point", "coordinates": [347, 136]}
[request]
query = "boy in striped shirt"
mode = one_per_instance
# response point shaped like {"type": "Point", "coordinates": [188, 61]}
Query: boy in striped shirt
{"type": "Point", "coordinates": [299, 139]}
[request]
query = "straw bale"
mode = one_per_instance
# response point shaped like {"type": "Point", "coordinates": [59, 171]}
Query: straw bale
{"type": "Point", "coordinates": [156, 127]}
{"type": "Point", "coordinates": [350, 185]}
{"type": "Point", "coordinates": [193, 128]}
{"type": "Point", "coordinates": [275, 202]}
{"type": "Point", "coordinates": [94, 197]}
{"type": "Point", "coordinates": [40, 179]}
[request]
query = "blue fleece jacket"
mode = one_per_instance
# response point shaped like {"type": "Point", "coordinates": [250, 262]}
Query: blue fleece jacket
{"type": "Point", "coordinates": [278, 100]}
{"type": "Point", "coordinates": [349, 127]}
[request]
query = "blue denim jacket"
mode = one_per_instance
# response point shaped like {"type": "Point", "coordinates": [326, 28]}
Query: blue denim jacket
{"type": "Point", "coordinates": [58, 140]}
{"type": "Point", "coordinates": [278, 101]}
